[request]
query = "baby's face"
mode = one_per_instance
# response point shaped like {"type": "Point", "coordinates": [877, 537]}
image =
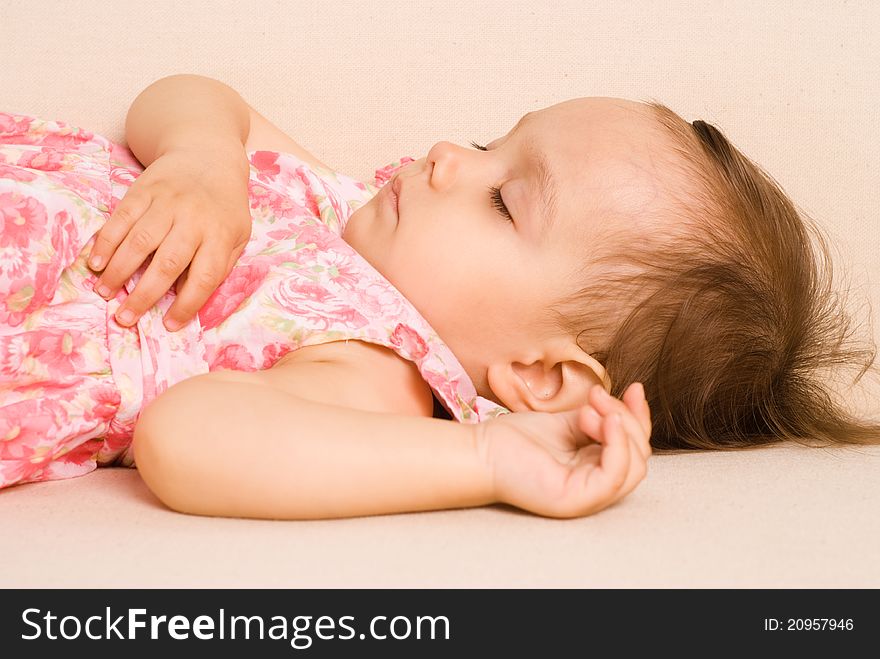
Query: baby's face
{"type": "Point", "coordinates": [484, 281]}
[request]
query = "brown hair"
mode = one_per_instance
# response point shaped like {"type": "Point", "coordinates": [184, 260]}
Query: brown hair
{"type": "Point", "coordinates": [729, 323]}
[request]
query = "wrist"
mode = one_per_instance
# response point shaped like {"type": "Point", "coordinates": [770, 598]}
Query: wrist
{"type": "Point", "coordinates": [480, 447]}
{"type": "Point", "coordinates": [203, 140]}
{"type": "Point", "coordinates": [216, 160]}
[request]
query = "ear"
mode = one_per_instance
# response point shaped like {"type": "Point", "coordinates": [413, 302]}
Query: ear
{"type": "Point", "coordinates": [557, 380]}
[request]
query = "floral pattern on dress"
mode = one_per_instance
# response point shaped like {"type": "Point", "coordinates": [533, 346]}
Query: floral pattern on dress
{"type": "Point", "coordinates": [73, 381]}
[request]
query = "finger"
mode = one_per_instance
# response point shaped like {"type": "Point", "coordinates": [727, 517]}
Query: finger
{"type": "Point", "coordinates": [638, 469]}
{"type": "Point", "coordinates": [606, 404]}
{"type": "Point", "coordinates": [598, 486]}
{"type": "Point", "coordinates": [127, 212]}
{"type": "Point", "coordinates": [591, 421]}
{"type": "Point", "coordinates": [638, 466]}
{"type": "Point", "coordinates": [576, 435]}
{"type": "Point", "coordinates": [141, 241]}
{"type": "Point", "coordinates": [634, 397]}
{"type": "Point", "coordinates": [181, 280]}
{"type": "Point", "coordinates": [233, 259]}
{"type": "Point", "coordinates": [208, 269]}
{"type": "Point", "coordinates": [167, 263]}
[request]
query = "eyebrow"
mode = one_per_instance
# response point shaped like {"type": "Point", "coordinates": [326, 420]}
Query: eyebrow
{"type": "Point", "coordinates": [546, 181]}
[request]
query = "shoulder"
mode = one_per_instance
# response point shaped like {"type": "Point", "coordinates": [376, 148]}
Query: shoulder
{"type": "Point", "coordinates": [355, 374]}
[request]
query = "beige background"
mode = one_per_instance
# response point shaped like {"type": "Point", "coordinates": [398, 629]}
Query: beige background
{"type": "Point", "coordinates": [793, 84]}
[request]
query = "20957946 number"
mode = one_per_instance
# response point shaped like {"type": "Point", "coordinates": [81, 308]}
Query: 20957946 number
{"type": "Point", "coordinates": [808, 624]}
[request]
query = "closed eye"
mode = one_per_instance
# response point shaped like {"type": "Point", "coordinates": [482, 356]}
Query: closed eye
{"type": "Point", "coordinates": [495, 193]}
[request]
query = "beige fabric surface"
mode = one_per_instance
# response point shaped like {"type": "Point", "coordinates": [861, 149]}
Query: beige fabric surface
{"type": "Point", "coordinates": [793, 84]}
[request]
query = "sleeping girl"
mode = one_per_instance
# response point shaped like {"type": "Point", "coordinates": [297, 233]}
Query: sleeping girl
{"type": "Point", "coordinates": [522, 321]}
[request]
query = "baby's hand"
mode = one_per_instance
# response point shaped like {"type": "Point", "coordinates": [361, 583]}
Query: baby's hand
{"type": "Point", "coordinates": [572, 463]}
{"type": "Point", "coordinates": [192, 208]}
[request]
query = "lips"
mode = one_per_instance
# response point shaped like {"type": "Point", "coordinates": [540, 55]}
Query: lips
{"type": "Point", "coordinates": [394, 195]}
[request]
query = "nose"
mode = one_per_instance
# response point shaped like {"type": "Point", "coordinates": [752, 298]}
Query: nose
{"type": "Point", "coordinates": [445, 160]}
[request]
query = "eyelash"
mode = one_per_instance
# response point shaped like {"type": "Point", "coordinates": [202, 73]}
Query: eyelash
{"type": "Point", "coordinates": [495, 195]}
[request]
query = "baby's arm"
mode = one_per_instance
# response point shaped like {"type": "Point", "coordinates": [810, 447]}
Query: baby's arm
{"type": "Point", "coordinates": [310, 445]}
{"type": "Point", "coordinates": [228, 444]}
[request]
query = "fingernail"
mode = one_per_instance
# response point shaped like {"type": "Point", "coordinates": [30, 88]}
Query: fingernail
{"type": "Point", "coordinates": [641, 389]}
{"type": "Point", "coordinates": [103, 290]}
{"type": "Point", "coordinates": [126, 317]}
{"type": "Point", "coordinates": [172, 325]}
{"type": "Point", "coordinates": [592, 415]}
{"type": "Point", "coordinates": [96, 262]}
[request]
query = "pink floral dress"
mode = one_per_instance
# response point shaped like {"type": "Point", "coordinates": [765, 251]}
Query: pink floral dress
{"type": "Point", "coordinates": [73, 381]}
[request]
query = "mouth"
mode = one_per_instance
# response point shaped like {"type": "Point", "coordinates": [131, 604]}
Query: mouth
{"type": "Point", "coordinates": [394, 197]}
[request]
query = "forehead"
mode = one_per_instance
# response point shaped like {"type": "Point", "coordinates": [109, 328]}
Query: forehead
{"type": "Point", "coordinates": [606, 157]}
{"type": "Point", "coordinates": [593, 117]}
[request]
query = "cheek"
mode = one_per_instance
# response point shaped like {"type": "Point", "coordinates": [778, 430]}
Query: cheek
{"type": "Point", "coordinates": [439, 278]}
{"type": "Point", "coordinates": [454, 266]}
{"type": "Point", "coordinates": [435, 250]}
